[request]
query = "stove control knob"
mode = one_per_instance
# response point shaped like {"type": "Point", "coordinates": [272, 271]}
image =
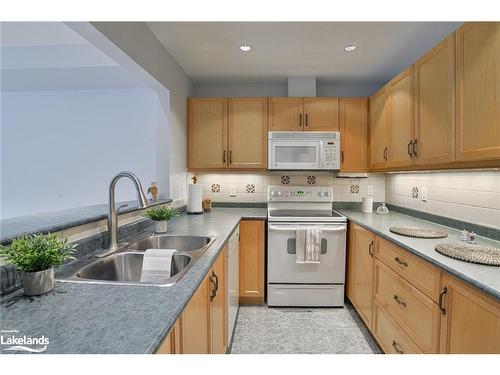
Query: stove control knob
{"type": "Point", "coordinates": [327, 193]}
{"type": "Point", "coordinates": [320, 194]}
{"type": "Point", "coordinates": [280, 193]}
{"type": "Point", "coordinates": [273, 193]}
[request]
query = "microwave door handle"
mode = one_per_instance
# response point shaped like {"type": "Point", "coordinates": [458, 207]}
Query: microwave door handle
{"type": "Point", "coordinates": [321, 162]}
{"type": "Point", "coordinates": [290, 229]}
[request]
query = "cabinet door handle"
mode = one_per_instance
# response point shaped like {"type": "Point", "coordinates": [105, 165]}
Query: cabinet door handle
{"type": "Point", "coordinates": [224, 156]}
{"type": "Point", "coordinates": [307, 122]}
{"type": "Point", "coordinates": [402, 262]}
{"type": "Point", "coordinates": [300, 120]}
{"type": "Point", "coordinates": [216, 282]}
{"type": "Point", "coordinates": [410, 149]}
{"type": "Point", "coordinates": [370, 249]}
{"type": "Point", "coordinates": [441, 300]}
{"type": "Point", "coordinates": [213, 292]}
{"type": "Point", "coordinates": [385, 154]}
{"type": "Point", "coordinates": [342, 156]}
{"type": "Point", "coordinates": [396, 298]}
{"type": "Point", "coordinates": [230, 156]}
{"type": "Point", "coordinates": [415, 147]}
{"type": "Point", "coordinates": [395, 346]}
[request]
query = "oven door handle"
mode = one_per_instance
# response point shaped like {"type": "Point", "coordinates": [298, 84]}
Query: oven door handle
{"type": "Point", "coordinates": [290, 229]}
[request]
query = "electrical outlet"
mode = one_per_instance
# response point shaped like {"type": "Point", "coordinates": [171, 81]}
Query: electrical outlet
{"type": "Point", "coordinates": [369, 189]}
{"type": "Point", "coordinates": [232, 191]}
{"type": "Point", "coordinates": [423, 194]}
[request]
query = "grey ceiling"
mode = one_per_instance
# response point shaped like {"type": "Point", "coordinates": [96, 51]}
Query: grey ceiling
{"type": "Point", "coordinates": [51, 56]}
{"type": "Point", "coordinates": [209, 51]}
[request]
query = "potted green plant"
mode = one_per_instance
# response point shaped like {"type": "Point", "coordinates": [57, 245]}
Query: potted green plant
{"type": "Point", "coordinates": [161, 215]}
{"type": "Point", "coordinates": [35, 257]}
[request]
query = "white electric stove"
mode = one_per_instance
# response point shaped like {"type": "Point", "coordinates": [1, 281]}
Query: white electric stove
{"type": "Point", "coordinates": [310, 284]}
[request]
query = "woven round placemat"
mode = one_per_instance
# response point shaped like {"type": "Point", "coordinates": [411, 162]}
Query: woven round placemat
{"type": "Point", "coordinates": [418, 232]}
{"type": "Point", "coordinates": [487, 255]}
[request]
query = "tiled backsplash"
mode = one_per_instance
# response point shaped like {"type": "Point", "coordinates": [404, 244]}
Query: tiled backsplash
{"type": "Point", "coordinates": [471, 196]}
{"type": "Point", "coordinates": [253, 187]}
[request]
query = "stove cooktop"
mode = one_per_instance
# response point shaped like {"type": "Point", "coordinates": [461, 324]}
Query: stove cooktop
{"type": "Point", "coordinates": [313, 215]}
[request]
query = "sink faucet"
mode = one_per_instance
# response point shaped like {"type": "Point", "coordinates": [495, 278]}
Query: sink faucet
{"type": "Point", "coordinates": [142, 202]}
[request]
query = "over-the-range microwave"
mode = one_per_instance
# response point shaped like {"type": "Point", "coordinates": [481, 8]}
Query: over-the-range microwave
{"type": "Point", "coordinates": [303, 150]}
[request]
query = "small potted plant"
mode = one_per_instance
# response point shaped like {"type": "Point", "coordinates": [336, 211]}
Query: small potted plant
{"type": "Point", "coordinates": [161, 216]}
{"type": "Point", "coordinates": [35, 257]}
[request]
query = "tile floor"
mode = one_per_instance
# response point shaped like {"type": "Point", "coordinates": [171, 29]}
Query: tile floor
{"type": "Point", "coordinates": [261, 329]}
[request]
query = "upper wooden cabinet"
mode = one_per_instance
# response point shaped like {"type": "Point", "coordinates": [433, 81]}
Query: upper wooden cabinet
{"type": "Point", "coordinates": [378, 129]}
{"type": "Point", "coordinates": [434, 94]}
{"type": "Point", "coordinates": [470, 321]}
{"type": "Point", "coordinates": [354, 134]}
{"type": "Point", "coordinates": [400, 120]}
{"type": "Point", "coordinates": [207, 133]}
{"type": "Point", "coordinates": [227, 134]}
{"type": "Point", "coordinates": [251, 258]}
{"type": "Point", "coordinates": [286, 114]}
{"type": "Point", "coordinates": [247, 133]}
{"type": "Point", "coordinates": [478, 91]}
{"type": "Point", "coordinates": [321, 114]}
{"type": "Point", "coordinates": [310, 114]}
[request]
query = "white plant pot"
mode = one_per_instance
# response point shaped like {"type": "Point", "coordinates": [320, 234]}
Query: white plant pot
{"type": "Point", "coordinates": [36, 283]}
{"type": "Point", "coordinates": [161, 226]}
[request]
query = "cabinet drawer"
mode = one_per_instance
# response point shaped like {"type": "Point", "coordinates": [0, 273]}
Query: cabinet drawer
{"type": "Point", "coordinates": [417, 314]}
{"type": "Point", "coordinates": [417, 271]}
{"type": "Point", "coordinates": [389, 335]}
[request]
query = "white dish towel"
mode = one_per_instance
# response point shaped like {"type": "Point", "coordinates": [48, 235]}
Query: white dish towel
{"type": "Point", "coordinates": [307, 245]}
{"type": "Point", "coordinates": [156, 265]}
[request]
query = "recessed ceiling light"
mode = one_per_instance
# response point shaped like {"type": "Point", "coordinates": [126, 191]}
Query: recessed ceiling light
{"type": "Point", "coordinates": [350, 48]}
{"type": "Point", "coordinates": [245, 47]}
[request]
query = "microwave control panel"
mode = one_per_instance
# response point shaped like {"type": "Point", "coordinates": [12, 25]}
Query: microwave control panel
{"type": "Point", "coordinates": [331, 148]}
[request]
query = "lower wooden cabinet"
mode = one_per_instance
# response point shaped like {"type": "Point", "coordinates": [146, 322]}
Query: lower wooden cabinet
{"type": "Point", "coordinates": [411, 306]}
{"type": "Point", "coordinates": [360, 271]}
{"type": "Point", "coordinates": [171, 344]}
{"type": "Point", "coordinates": [195, 322]}
{"type": "Point", "coordinates": [202, 327]}
{"type": "Point", "coordinates": [251, 257]}
{"type": "Point", "coordinates": [470, 321]}
{"type": "Point", "coordinates": [414, 312]}
{"type": "Point", "coordinates": [218, 306]}
{"type": "Point", "coordinates": [390, 337]}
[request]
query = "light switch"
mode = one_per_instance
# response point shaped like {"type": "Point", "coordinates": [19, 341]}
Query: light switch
{"type": "Point", "coordinates": [424, 194]}
{"type": "Point", "coordinates": [232, 191]}
{"type": "Point", "coordinates": [369, 190]}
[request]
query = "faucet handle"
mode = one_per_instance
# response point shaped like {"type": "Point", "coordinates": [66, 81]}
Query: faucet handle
{"type": "Point", "coordinates": [121, 206]}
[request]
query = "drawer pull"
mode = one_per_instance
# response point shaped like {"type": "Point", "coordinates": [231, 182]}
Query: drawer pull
{"type": "Point", "coordinates": [402, 262]}
{"type": "Point", "coordinates": [396, 298]}
{"type": "Point", "coordinates": [395, 346]}
{"type": "Point", "coordinates": [441, 300]}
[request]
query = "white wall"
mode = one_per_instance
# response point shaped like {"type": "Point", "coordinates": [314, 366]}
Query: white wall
{"type": "Point", "coordinates": [471, 196]}
{"type": "Point", "coordinates": [140, 44]}
{"type": "Point", "coordinates": [60, 149]}
{"type": "Point", "coordinates": [281, 89]}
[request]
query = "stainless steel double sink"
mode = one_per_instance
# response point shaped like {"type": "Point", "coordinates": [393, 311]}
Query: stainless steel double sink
{"type": "Point", "coordinates": [124, 267]}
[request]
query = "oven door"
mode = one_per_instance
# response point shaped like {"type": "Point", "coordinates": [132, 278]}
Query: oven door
{"type": "Point", "coordinates": [302, 154]}
{"type": "Point", "coordinates": [281, 255]}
